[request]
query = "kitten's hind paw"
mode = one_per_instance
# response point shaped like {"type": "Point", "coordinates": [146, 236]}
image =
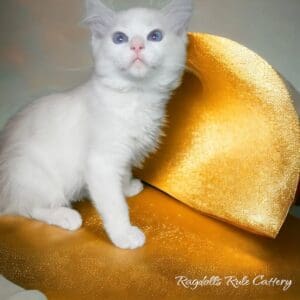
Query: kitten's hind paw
{"type": "Point", "coordinates": [63, 217]}
{"type": "Point", "coordinates": [135, 187]}
{"type": "Point", "coordinates": [131, 238]}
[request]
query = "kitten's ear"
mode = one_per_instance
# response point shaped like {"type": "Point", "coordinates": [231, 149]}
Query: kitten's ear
{"type": "Point", "coordinates": [98, 17]}
{"type": "Point", "coordinates": [179, 13]}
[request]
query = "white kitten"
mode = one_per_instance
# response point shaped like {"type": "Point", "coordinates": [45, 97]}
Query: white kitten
{"type": "Point", "coordinates": [91, 137]}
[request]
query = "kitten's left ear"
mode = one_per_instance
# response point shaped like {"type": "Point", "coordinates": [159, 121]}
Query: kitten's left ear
{"type": "Point", "coordinates": [178, 14]}
{"type": "Point", "coordinates": [98, 17]}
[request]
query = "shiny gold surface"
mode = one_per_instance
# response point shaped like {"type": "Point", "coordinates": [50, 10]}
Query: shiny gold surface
{"type": "Point", "coordinates": [232, 145]}
{"type": "Point", "coordinates": [180, 241]}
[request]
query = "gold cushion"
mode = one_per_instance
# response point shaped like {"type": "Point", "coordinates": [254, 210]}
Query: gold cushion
{"type": "Point", "coordinates": [232, 144]}
{"type": "Point", "coordinates": [180, 242]}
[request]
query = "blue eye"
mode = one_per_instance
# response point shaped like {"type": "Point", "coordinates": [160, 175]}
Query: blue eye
{"type": "Point", "coordinates": [120, 38]}
{"type": "Point", "coordinates": [155, 36]}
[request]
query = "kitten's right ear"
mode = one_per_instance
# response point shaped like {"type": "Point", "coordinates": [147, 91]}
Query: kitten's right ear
{"type": "Point", "coordinates": [98, 17]}
{"type": "Point", "coordinates": [178, 14]}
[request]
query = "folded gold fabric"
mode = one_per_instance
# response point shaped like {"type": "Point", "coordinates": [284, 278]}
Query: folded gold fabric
{"type": "Point", "coordinates": [232, 143]}
{"type": "Point", "coordinates": [180, 242]}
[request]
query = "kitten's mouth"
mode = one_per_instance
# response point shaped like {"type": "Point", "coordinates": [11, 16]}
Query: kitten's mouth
{"type": "Point", "coordinates": [138, 61]}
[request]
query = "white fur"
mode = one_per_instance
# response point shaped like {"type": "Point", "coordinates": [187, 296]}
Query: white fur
{"type": "Point", "coordinates": [91, 137]}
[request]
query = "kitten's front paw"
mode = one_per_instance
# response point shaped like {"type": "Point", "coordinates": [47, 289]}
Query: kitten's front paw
{"type": "Point", "coordinates": [135, 187]}
{"type": "Point", "coordinates": [131, 238]}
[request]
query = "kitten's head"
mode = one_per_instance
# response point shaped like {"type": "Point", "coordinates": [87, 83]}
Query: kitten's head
{"type": "Point", "coordinates": [140, 44]}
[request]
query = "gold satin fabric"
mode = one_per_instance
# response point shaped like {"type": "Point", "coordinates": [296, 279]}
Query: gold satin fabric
{"type": "Point", "coordinates": [180, 241]}
{"type": "Point", "coordinates": [232, 143]}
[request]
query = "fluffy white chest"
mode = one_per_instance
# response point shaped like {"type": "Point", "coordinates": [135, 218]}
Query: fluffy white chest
{"type": "Point", "coordinates": [130, 121]}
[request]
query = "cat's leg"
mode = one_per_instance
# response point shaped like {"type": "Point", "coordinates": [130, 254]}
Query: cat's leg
{"type": "Point", "coordinates": [105, 186]}
{"type": "Point", "coordinates": [33, 192]}
{"type": "Point", "coordinates": [63, 217]}
{"type": "Point", "coordinates": [131, 186]}
{"type": "Point", "coordinates": [49, 211]}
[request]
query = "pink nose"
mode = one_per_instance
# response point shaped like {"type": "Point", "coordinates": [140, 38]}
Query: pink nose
{"type": "Point", "coordinates": [137, 45]}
